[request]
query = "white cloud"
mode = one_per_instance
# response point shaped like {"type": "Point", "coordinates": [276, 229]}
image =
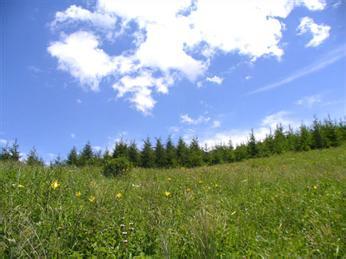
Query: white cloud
{"type": "Point", "coordinates": [78, 14]}
{"type": "Point", "coordinates": [3, 142]}
{"type": "Point", "coordinates": [320, 32]}
{"type": "Point", "coordinates": [215, 79]}
{"type": "Point", "coordinates": [309, 101]}
{"type": "Point", "coordinates": [239, 136]}
{"type": "Point", "coordinates": [79, 54]}
{"type": "Point", "coordinates": [216, 124]}
{"type": "Point", "coordinates": [72, 135]}
{"type": "Point", "coordinates": [174, 39]}
{"type": "Point", "coordinates": [332, 57]}
{"type": "Point", "coordinates": [186, 119]}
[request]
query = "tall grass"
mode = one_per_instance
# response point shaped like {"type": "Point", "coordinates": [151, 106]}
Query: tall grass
{"type": "Point", "coordinates": [290, 205]}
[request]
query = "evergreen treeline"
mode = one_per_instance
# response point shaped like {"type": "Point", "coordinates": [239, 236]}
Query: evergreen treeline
{"type": "Point", "coordinates": [159, 154]}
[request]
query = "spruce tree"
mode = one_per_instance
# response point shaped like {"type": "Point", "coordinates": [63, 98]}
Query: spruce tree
{"type": "Point", "coordinates": [121, 149]}
{"type": "Point", "coordinates": [33, 159]}
{"type": "Point", "coordinates": [160, 154]}
{"type": "Point", "coordinates": [5, 154]}
{"type": "Point", "coordinates": [147, 155]}
{"type": "Point", "coordinates": [87, 155]}
{"type": "Point", "coordinates": [252, 145]}
{"type": "Point", "coordinates": [171, 154]}
{"type": "Point", "coordinates": [72, 157]}
{"type": "Point", "coordinates": [280, 144]}
{"type": "Point", "coordinates": [195, 154]}
{"type": "Point", "coordinates": [182, 153]}
{"type": "Point", "coordinates": [133, 154]}
{"type": "Point", "coordinates": [304, 139]}
{"type": "Point", "coordinates": [318, 141]}
{"type": "Point", "coordinates": [14, 151]}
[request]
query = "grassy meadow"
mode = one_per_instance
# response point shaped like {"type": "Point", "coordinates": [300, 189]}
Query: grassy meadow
{"type": "Point", "coordinates": [289, 205]}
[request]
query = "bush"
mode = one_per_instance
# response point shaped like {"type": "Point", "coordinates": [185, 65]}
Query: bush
{"type": "Point", "coordinates": [116, 167]}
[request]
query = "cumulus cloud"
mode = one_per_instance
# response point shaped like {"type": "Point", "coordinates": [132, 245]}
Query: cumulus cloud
{"type": "Point", "coordinates": [173, 40]}
{"type": "Point", "coordinates": [215, 79]}
{"type": "Point", "coordinates": [320, 32]}
{"type": "Point", "coordinates": [186, 119]}
{"type": "Point", "coordinates": [78, 14]}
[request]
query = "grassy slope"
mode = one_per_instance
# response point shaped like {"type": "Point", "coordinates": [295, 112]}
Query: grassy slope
{"type": "Point", "coordinates": [284, 205]}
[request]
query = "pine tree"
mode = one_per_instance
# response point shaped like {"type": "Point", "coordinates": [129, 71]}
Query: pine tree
{"type": "Point", "coordinates": [280, 144]}
{"type": "Point", "coordinates": [160, 154]}
{"type": "Point", "coordinates": [121, 149]}
{"type": "Point", "coordinates": [318, 141]}
{"type": "Point", "coordinates": [147, 155]}
{"type": "Point", "coordinates": [195, 154]}
{"type": "Point", "coordinates": [133, 154]}
{"type": "Point", "coordinates": [252, 145]}
{"type": "Point", "coordinates": [171, 154]}
{"type": "Point", "coordinates": [33, 159]}
{"type": "Point", "coordinates": [87, 155]}
{"type": "Point", "coordinates": [304, 139]}
{"type": "Point", "coordinates": [72, 157]}
{"type": "Point", "coordinates": [14, 151]}
{"type": "Point", "coordinates": [182, 153]}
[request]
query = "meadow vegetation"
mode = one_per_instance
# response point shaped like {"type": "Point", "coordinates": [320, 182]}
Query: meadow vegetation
{"type": "Point", "coordinates": [286, 205]}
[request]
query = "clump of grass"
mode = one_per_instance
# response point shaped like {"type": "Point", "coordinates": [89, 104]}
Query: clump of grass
{"type": "Point", "coordinates": [290, 205]}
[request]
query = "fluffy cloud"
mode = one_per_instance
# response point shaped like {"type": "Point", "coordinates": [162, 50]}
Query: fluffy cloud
{"type": "Point", "coordinates": [320, 32]}
{"type": "Point", "coordinates": [78, 14]}
{"type": "Point", "coordinates": [80, 55]}
{"type": "Point", "coordinates": [173, 39]}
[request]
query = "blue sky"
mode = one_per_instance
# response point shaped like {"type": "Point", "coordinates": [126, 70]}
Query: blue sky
{"type": "Point", "coordinates": [78, 71]}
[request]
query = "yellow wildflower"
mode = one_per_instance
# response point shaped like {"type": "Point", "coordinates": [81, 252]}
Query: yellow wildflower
{"type": "Point", "coordinates": [119, 195]}
{"type": "Point", "coordinates": [78, 194]}
{"type": "Point", "coordinates": [167, 194]}
{"type": "Point", "coordinates": [55, 185]}
{"type": "Point", "coordinates": [315, 187]}
{"type": "Point", "coordinates": [200, 181]}
{"type": "Point", "coordinates": [188, 189]}
{"type": "Point", "coordinates": [169, 178]}
{"type": "Point", "coordinates": [92, 199]}
{"type": "Point", "coordinates": [20, 186]}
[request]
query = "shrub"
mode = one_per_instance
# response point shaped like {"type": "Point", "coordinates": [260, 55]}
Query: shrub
{"type": "Point", "coordinates": [116, 167]}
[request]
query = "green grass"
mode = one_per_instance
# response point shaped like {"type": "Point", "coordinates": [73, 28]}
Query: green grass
{"type": "Point", "coordinates": [290, 205]}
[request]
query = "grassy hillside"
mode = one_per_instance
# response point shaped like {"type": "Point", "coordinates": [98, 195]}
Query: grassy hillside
{"type": "Point", "coordinates": [284, 205]}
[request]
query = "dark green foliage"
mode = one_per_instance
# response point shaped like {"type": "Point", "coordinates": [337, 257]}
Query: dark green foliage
{"type": "Point", "coordinates": [121, 149]}
{"type": "Point", "coordinates": [304, 142]}
{"type": "Point", "coordinates": [160, 154]}
{"type": "Point", "coordinates": [87, 155]}
{"type": "Point", "coordinates": [147, 155]}
{"type": "Point", "coordinates": [252, 146]}
{"type": "Point", "coordinates": [195, 154]}
{"type": "Point", "coordinates": [280, 144]}
{"type": "Point", "coordinates": [10, 153]}
{"type": "Point", "coordinates": [182, 153]}
{"type": "Point", "coordinates": [33, 159]}
{"type": "Point", "coordinates": [72, 157]}
{"type": "Point", "coordinates": [133, 154]}
{"type": "Point", "coordinates": [116, 167]}
{"type": "Point", "coordinates": [171, 154]}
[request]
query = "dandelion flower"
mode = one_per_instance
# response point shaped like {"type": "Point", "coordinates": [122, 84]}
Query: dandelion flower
{"type": "Point", "coordinates": [78, 194]}
{"type": "Point", "coordinates": [168, 194]}
{"type": "Point", "coordinates": [55, 185]}
{"type": "Point", "coordinates": [92, 199]}
{"type": "Point", "coordinates": [119, 195]}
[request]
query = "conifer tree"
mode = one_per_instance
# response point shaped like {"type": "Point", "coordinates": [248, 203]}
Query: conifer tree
{"type": "Point", "coordinates": [72, 157]}
{"type": "Point", "coordinates": [195, 154]}
{"type": "Point", "coordinates": [121, 149]}
{"type": "Point", "coordinates": [14, 154]}
{"type": "Point", "coordinates": [182, 153]}
{"type": "Point", "coordinates": [147, 155]}
{"type": "Point", "coordinates": [304, 139]}
{"type": "Point", "coordinates": [160, 154]}
{"type": "Point", "coordinates": [280, 144]}
{"type": "Point", "coordinates": [87, 155]}
{"type": "Point", "coordinates": [5, 153]}
{"type": "Point", "coordinates": [318, 141]}
{"type": "Point", "coordinates": [252, 145]}
{"type": "Point", "coordinates": [133, 154]}
{"type": "Point", "coordinates": [33, 159]}
{"type": "Point", "coordinates": [171, 154]}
